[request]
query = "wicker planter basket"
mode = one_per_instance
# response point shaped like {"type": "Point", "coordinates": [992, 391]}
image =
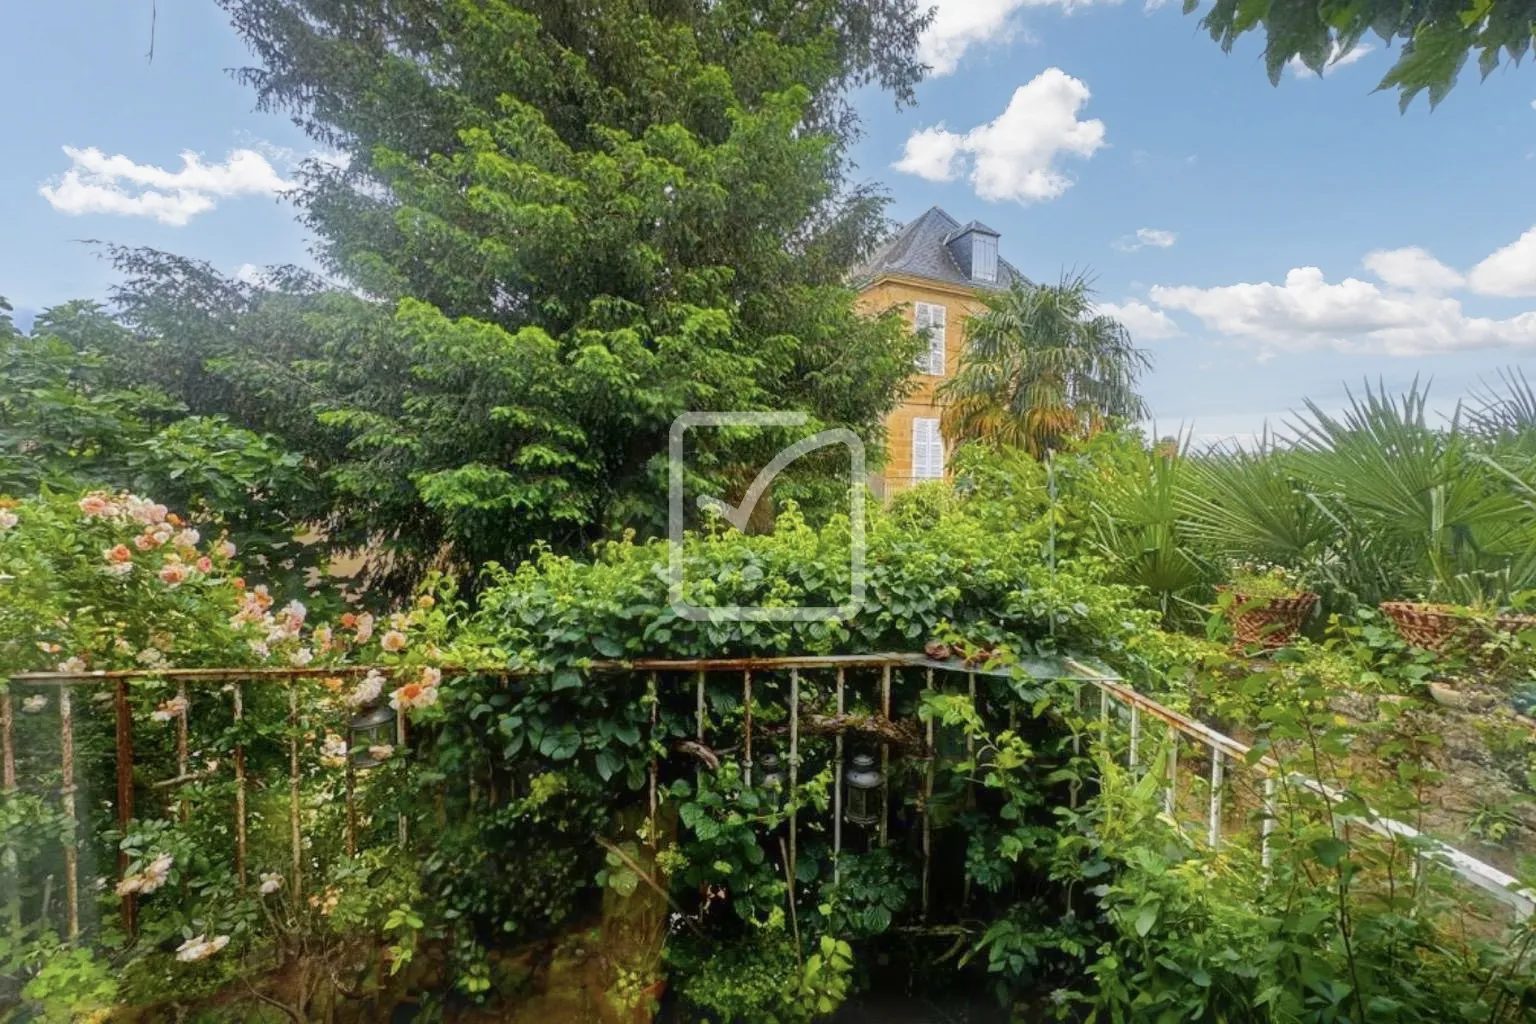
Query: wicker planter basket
{"type": "Point", "coordinates": [1439, 627]}
{"type": "Point", "coordinates": [1270, 624]}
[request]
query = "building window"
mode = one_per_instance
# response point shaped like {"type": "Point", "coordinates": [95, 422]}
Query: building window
{"type": "Point", "coordinates": [927, 450]}
{"type": "Point", "coordinates": [931, 322]}
{"type": "Point", "coordinates": [984, 258]}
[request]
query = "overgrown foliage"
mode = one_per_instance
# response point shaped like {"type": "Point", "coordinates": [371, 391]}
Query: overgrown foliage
{"type": "Point", "coordinates": [566, 224]}
{"type": "Point", "coordinates": [78, 410]}
{"type": "Point", "coordinates": [1437, 39]}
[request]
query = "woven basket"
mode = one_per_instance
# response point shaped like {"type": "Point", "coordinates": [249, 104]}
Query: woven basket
{"type": "Point", "coordinates": [1270, 624]}
{"type": "Point", "coordinates": [1438, 627]}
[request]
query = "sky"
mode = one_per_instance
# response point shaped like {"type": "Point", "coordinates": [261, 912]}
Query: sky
{"type": "Point", "coordinates": [1267, 244]}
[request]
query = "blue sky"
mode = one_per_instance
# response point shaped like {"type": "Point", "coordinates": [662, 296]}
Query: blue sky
{"type": "Point", "coordinates": [1267, 244]}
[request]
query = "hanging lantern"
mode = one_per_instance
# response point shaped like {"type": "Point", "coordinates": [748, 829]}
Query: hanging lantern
{"type": "Point", "coordinates": [372, 732]}
{"type": "Point", "coordinates": [771, 778]}
{"type": "Point", "coordinates": [865, 791]}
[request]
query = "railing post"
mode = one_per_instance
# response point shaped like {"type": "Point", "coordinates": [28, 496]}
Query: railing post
{"type": "Point", "coordinates": [183, 764]}
{"type": "Point", "coordinates": [698, 773]}
{"type": "Point", "coordinates": [837, 786]}
{"type": "Point", "coordinates": [1135, 736]}
{"type": "Point", "coordinates": [746, 741]}
{"type": "Point", "coordinates": [1267, 854]}
{"type": "Point", "coordinates": [794, 771]}
{"type": "Point", "coordinates": [970, 790]}
{"type": "Point", "coordinates": [8, 789]}
{"type": "Point", "coordinates": [1077, 743]}
{"type": "Point", "coordinates": [653, 698]}
{"type": "Point", "coordinates": [885, 757]}
{"type": "Point", "coordinates": [238, 695]}
{"type": "Point", "coordinates": [350, 778]}
{"type": "Point", "coordinates": [124, 744]}
{"type": "Point", "coordinates": [928, 772]}
{"type": "Point", "coordinates": [7, 742]}
{"type": "Point", "coordinates": [295, 836]}
{"type": "Point", "coordinates": [1170, 794]}
{"type": "Point", "coordinates": [67, 801]}
{"type": "Point", "coordinates": [402, 829]}
{"type": "Point", "coordinates": [1217, 771]}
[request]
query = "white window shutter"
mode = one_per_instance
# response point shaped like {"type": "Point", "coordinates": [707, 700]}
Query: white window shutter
{"type": "Point", "coordinates": [936, 341]}
{"type": "Point", "coordinates": [931, 321]}
{"type": "Point", "coordinates": [927, 450]}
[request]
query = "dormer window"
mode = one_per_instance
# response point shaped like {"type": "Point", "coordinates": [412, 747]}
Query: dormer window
{"type": "Point", "coordinates": [974, 249]}
{"type": "Point", "coordinates": [984, 258]}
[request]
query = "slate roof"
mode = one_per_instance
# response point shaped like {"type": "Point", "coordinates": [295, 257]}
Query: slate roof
{"type": "Point", "coordinates": [921, 249]}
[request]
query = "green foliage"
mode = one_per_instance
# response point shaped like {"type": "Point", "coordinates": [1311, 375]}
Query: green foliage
{"type": "Point", "coordinates": [644, 212]}
{"type": "Point", "coordinates": [767, 981]}
{"type": "Point", "coordinates": [871, 891]}
{"type": "Point", "coordinates": [1436, 39]}
{"type": "Point", "coordinates": [1335, 928]}
{"type": "Point", "coordinates": [71, 985]}
{"type": "Point", "coordinates": [1264, 582]}
{"type": "Point", "coordinates": [77, 410]}
{"type": "Point", "coordinates": [1040, 368]}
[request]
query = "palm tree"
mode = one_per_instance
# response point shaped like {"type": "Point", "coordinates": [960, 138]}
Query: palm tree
{"type": "Point", "coordinates": [1040, 367]}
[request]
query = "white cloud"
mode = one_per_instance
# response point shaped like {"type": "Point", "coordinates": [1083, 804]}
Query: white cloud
{"type": "Point", "coordinates": [1144, 322]}
{"type": "Point", "coordinates": [1413, 269]}
{"type": "Point", "coordinates": [930, 153]}
{"type": "Point", "coordinates": [251, 274]}
{"type": "Point", "coordinates": [1533, 104]}
{"type": "Point", "coordinates": [97, 183]}
{"type": "Point", "coordinates": [960, 24]}
{"type": "Point", "coordinates": [1014, 156]}
{"type": "Point", "coordinates": [1146, 238]}
{"type": "Point", "coordinates": [1336, 60]}
{"type": "Point", "coordinates": [1308, 313]}
{"type": "Point", "coordinates": [1510, 271]}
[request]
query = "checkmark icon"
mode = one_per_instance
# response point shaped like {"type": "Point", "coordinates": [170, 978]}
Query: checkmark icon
{"type": "Point", "coordinates": [740, 514]}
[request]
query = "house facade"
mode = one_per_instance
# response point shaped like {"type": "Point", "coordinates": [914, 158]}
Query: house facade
{"type": "Point", "coordinates": [936, 270]}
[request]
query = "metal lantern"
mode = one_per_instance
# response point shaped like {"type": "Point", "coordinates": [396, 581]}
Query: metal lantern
{"type": "Point", "coordinates": [771, 777]}
{"type": "Point", "coordinates": [372, 727]}
{"type": "Point", "coordinates": [865, 787]}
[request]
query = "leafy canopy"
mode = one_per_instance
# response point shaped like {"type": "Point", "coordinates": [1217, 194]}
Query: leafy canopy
{"type": "Point", "coordinates": [1437, 38]}
{"type": "Point", "coordinates": [73, 416]}
{"type": "Point", "coordinates": [566, 225]}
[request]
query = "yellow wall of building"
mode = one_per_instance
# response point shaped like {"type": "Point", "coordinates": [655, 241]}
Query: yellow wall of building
{"type": "Point", "coordinates": [960, 304]}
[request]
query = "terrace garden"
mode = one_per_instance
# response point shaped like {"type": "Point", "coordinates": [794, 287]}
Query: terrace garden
{"type": "Point", "coordinates": [559, 796]}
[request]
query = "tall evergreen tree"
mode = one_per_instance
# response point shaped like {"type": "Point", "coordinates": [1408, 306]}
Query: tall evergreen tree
{"type": "Point", "coordinates": [565, 223]}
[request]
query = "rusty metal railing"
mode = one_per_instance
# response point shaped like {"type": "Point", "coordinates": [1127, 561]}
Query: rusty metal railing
{"type": "Point", "coordinates": [192, 686]}
{"type": "Point", "coordinates": [917, 671]}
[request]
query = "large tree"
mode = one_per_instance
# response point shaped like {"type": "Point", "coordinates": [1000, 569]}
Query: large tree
{"type": "Point", "coordinates": [563, 224]}
{"type": "Point", "coordinates": [1041, 367]}
{"type": "Point", "coordinates": [1437, 37]}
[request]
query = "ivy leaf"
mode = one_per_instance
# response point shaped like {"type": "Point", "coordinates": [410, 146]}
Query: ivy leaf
{"type": "Point", "coordinates": [1146, 919]}
{"type": "Point", "coordinates": [1330, 850]}
{"type": "Point", "coordinates": [608, 762]}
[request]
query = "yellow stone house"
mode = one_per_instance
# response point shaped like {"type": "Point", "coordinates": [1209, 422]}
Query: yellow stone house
{"type": "Point", "coordinates": [936, 270]}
